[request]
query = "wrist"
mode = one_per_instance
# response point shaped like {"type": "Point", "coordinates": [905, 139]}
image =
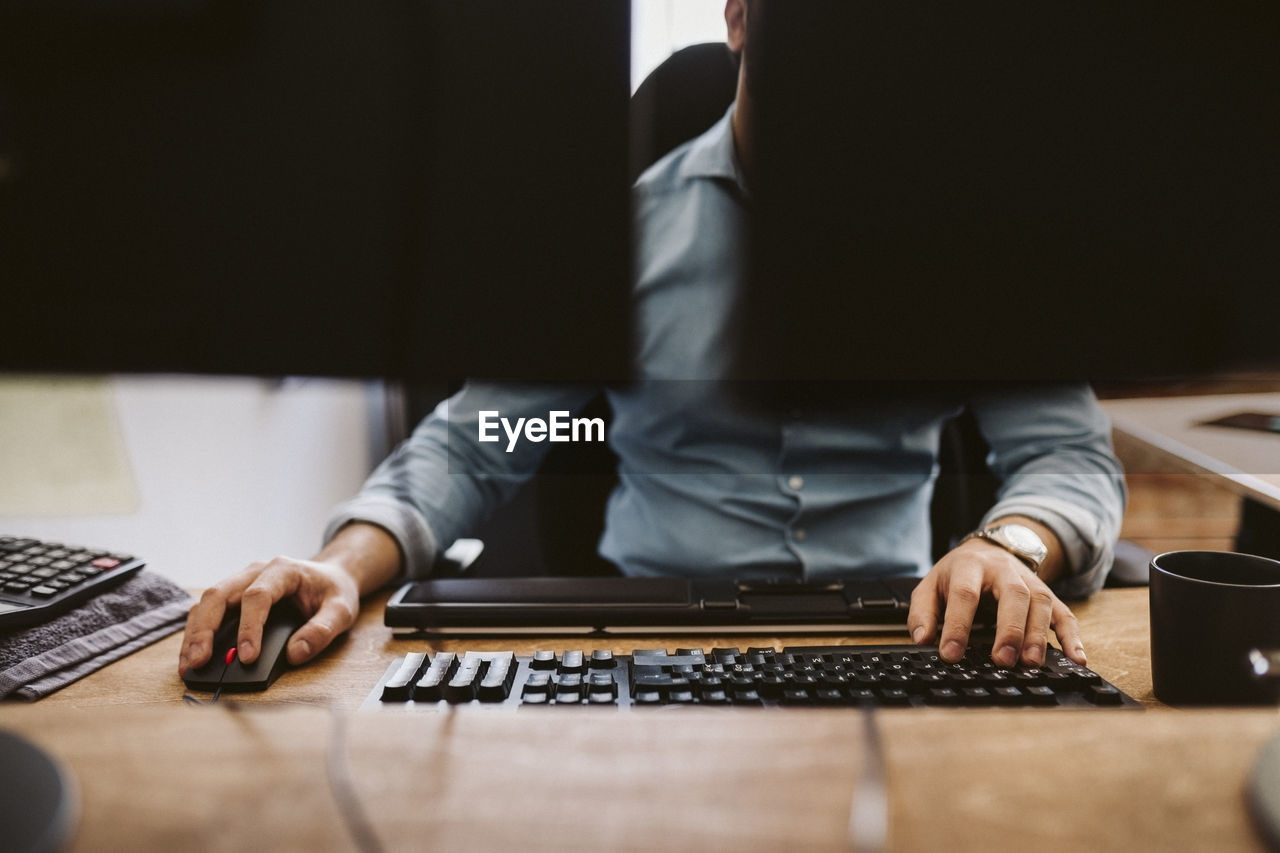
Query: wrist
{"type": "Point", "coordinates": [366, 552]}
{"type": "Point", "coordinates": [1053, 565]}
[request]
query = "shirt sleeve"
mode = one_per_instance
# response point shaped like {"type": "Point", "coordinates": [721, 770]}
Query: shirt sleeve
{"type": "Point", "coordinates": [442, 481]}
{"type": "Point", "coordinates": [1051, 449]}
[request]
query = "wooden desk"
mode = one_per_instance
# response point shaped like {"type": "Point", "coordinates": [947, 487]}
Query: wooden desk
{"type": "Point", "coordinates": [1245, 461]}
{"type": "Point", "coordinates": [158, 775]}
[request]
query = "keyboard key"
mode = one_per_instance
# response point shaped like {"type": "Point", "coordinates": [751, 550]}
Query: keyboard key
{"type": "Point", "coordinates": [537, 685]}
{"type": "Point", "coordinates": [602, 659]}
{"type": "Point", "coordinates": [496, 685]}
{"type": "Point", "coordinates": [400, 687]}
{"type": "Point", "coordinates": [1028, 677]}
{"type": "Point", "coordinates": [568, 687]}
{"type": "Point", "coordinates": [1103, 694]}
{"type": "Point", "coordinates": [44, 591]}
{"type": "Point", "coordinates": [772, 685]}
{"type": "Point", "coordinates": [572, 661]}
{"type": "Point", "coordinates": [602, 683]}
{"type": "Point", "coordinates": [462, 687]}
{"type": "Point", "coordinates": [727, 656]}
{"type": "Point", "coordinates": [543, 659]}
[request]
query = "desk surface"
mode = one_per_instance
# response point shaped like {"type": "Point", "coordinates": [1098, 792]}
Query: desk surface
{"type": "Point", "coordinates": [156, 774]}
{"type": "Point", "coordinates": [1246, 461]}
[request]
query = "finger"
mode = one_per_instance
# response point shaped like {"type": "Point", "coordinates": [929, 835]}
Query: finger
{"type": "Point", "coordinates": [1014, 600]}
{"type": "Point", "coordinates": [204, 618]}
{"type": "Point", "coordinates": [1068, 631]}
{"type": "Point", "coordinates": [922, 618]}
{"type": "Point", "coordinates": [280, 578]}
{"type": "Point", "coordinates": [964, 591]}
{"type": "Point", "coordinates": [1039, 619]}
{"type": "Point", "coordinates": [335, 615]}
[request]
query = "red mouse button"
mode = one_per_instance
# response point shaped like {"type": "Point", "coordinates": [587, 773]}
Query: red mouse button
{"type": "Point", "coordinates": [231, 655]}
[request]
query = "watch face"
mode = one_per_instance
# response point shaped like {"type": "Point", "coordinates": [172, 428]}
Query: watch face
{"type": "Point", "coordinates": [1022, 538]}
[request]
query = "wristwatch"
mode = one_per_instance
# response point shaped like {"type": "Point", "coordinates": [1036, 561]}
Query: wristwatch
{"type": "Point", "coordinates": [1018, 539]}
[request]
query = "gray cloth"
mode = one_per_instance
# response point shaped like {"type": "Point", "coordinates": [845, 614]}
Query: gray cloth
{"type": "Point", "coordinates": [36, 661]}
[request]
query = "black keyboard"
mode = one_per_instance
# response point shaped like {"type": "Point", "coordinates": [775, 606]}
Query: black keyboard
{"type": "Point", "coordinates": [884, 676]}
{"type": "Point", "coordinates": [39, 580]}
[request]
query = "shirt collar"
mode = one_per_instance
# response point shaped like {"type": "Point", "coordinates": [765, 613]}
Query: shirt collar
{"type": "Point", "coordinates": [712, 154]}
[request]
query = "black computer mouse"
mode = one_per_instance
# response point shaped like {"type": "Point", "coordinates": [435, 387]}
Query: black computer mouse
{"type": "Point", "coordinates": [225, 670]}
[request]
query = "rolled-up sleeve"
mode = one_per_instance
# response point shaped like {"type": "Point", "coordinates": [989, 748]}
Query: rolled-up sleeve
{"type": "Point", "coordinates": [442, 482]}
{"type": "Point", "coordinates": [1051, 448]}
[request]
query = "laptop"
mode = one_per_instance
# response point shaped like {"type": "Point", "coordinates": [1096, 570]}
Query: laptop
{"type": "Point", "coordinates": [572, 605]}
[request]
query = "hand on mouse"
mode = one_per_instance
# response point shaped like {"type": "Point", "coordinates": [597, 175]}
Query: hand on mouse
{"type": "Point", "coordinates": [361, 558]}
{"type": "Point", "coordinates": [1026, 608]}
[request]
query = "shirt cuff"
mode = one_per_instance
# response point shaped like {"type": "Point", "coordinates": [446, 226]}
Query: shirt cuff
{"type": "Point", "coordinates": [418, 545]}
{"type": "Point", "coordinates": [1087, 549]}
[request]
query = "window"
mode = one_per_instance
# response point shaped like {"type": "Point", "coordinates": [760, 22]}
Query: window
{"type": "Point", "coordinates": [661, 27]}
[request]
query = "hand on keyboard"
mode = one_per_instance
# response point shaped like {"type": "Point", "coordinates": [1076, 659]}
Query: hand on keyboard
{"type": "Point", "coordinates": [1026, 607]}
{"type": "Point", "coordinates": [359, 559]}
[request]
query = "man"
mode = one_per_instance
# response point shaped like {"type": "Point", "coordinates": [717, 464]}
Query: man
{"type": "Point", "coordinates": [708, 486]}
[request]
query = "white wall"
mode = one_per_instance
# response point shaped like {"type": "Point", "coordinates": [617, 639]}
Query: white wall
{"type": "Point", "coordinates": [661, 27]}
{"type": "Point", "coordinates": [225, 471]}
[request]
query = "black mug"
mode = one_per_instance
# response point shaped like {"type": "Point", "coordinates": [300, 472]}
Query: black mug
{"type": "Point", "coordinates": [1209, 611]}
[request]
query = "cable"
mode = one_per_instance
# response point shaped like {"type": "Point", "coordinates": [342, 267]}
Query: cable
{"type": "Point", "coordinates": [344, 793]}
{"type": "Point", "coordinates": [869, 811]}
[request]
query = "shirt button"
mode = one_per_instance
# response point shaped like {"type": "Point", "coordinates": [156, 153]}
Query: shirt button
{"type": "Point", "coordinates": [799, 534]}
{"type": "Point", "coordinates": [796, 482]}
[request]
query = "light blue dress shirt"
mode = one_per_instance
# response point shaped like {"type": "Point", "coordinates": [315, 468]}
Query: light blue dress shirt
{"type": "Point", "coordinates": [708, 486]}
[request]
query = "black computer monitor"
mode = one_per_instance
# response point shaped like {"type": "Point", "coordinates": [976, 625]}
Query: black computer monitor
{"type": "Point", "coordinates": [1011, 190]}
{"type": "Point", "coordinates": [392, 188]}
